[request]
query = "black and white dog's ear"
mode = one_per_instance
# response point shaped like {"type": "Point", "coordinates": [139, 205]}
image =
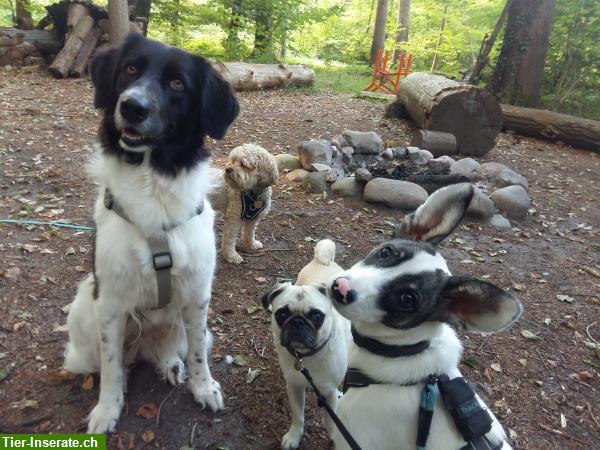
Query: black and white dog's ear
{"type": "Point", "coordinates": [438, 216]}
{"type": "Point", "coordinates": [475, 305]}
{"type": "Point", "coordinates": [272, 293]}
{"type": "Point", "coordinates": [219, 105]}
{"type": "Point", "coordinates": [102, 72]}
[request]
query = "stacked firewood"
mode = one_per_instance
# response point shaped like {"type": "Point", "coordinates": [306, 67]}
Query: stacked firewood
{"type": "Point", "coordinates": [16, 52]}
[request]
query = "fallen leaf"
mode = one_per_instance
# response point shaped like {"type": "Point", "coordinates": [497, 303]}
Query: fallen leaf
{"type": "Point", "coordinates": [585, 376]}
{"type": "Point", "coordinates": [523, 362]}
{"type": "Point", "coordinates": [148, 436]}
{"type": "Point", "coordinates": [83, 268]}
{"type": "Point", "coordinates": [565, 298]}
{"type": "Point", "coordinates": [547, 321]}
{"type": "Point", "coordinates": [60, 328]}
{"type": "Point", "coordinates": [472, 362]}
{"type": "Point", "coordinates": [61, 374]}
{"type": "Point", "coordinates": [252, 309]}
{"type": "Point", "coordinates": [252, 375]}
{"type": "Point", "coordinates": [88, 382]}
{"type": "Point", "coordinates": [3, 373]}
{"type": "Point", "coordinates": [18, 326]}
{"type": "Point", "coordinates": [529, 335]}
{"type": "Point", "coordinates": [28, 248]}
{"type": "Point", "coordinates": [70, 251]}
{"type": "Point", "coordinates": [591, 271]}
{"type": "Point", "coordinates": [518, 287]}
{"type": "Point", "coordinates": [25, 404]}
{"type": "Point", "coordinates": [12, 272]}
{"type": "Point", "coordinates": [496, 367]}
{"type": "Point", "coordinates": [2, 355]}
{"type": "Point", "coordinates": [260, 279]}
{"type": "Point", "coordinates": [46, 251]}
{"type": "Point", "coordinates": [240, 360]}
{"type": "Point", "coordinates": [147, 410]}
{"type": "Point", "coordinates": [535, 382]}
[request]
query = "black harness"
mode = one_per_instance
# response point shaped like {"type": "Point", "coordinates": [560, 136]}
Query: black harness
{"type": "Point", "coordinates": [472, 421]}
{"type": "Point", "coordinates": [253, 203]}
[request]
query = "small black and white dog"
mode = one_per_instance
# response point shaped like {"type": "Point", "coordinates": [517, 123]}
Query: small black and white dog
{"type": "Point", "coordinates": [401, 300]}
{"type": "Point", "coordinates": [152, 172]}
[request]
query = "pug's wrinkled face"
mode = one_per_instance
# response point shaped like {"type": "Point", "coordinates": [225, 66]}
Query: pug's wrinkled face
{"type": "Point", "coordinates": [301, 315]}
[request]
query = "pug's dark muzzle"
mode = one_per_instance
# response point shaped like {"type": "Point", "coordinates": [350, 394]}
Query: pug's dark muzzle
{"type": "Point", "coordinates": [298, 330]}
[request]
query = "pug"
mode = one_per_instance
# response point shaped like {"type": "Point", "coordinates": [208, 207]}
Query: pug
{"type": "Point", "coordinates": [305, 325]}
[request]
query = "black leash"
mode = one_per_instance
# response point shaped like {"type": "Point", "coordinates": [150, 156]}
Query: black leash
{"type": "Point", "coordinates": [322, 402]}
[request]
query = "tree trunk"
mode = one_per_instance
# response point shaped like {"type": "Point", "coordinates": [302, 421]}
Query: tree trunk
{"type": "Point", "coordinates": [439, 41]}
{"type": "Point", "coordinates": [379, 29]}
{"type": "Point", "coordinates": [403, 23]}
{"type": "Point", "coordinates": [64, 61]}
{"type": "Point", "coordinates": [142, 9]}
{"type": "Point", "coordinates": [436, 142]}
{"type": "Point", "coordinates": [436, 103]}
{"type": "Point", "coordinates": [23, 18]}
{"type": "Point", "coordinates": [118, 16]}
{"type": "Point", "coordinates": [246, 76]}
{"type": "Point", "coordinates": [519, 72]}
{"type": "Point", "coordinates": [232, 43]}
{"type": "Point", "coordinates": [550, 125]}
{"type": "Point", "coordinates": [486, 47]}
{"type": "Point", "coordinates": [86, 51]}
{"type": "Point", "coordinates": [263, 31]}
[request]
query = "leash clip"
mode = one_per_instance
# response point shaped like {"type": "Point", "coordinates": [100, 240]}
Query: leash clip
{"type": "Point", "coordinates": [298, 363]}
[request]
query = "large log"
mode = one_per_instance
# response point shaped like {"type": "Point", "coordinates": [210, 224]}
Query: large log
{"type": "Point", "coordinates": [64, 61]}
{"type": "Point", "coordinates": [86, 50]}
{"type": "Point", "coordinates": [45, 41]}
{"type": "Point", "coordinates": [76, 12]}
{"type": "Point", "coordinates": [436, 142]}
{"type": "Point", "coordinates": [247, 76]}
{"type": "Point", "coordinates": [436, 103]}
{"type": "Point", "coordinates": [584, 133]}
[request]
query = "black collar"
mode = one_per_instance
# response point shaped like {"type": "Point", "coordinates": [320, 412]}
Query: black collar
{"type": "Point", "coordinates": [311, 352]}
{"type": "Point", "coordinates": [390, 351]}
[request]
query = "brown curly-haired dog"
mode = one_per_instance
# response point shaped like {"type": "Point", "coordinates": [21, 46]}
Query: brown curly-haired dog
{"type": "Point", "coordinates": [250, 172]}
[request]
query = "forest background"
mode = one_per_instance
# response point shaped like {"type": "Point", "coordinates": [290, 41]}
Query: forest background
{"type": "Point", "coordinates": [335, 37]}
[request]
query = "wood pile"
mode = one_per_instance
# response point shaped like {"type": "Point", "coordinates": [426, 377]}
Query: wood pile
{"type": "Point", "coordinates": [15, 51]}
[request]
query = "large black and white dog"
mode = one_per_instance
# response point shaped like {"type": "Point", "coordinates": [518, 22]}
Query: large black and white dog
{"type": "Point", "coordinates": [401, 300]}
{"type": "Point", "coordinates": [152, 172]}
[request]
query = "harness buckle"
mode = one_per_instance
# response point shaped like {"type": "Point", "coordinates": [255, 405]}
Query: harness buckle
{"type": "Point", "coordinates": [162, 260]}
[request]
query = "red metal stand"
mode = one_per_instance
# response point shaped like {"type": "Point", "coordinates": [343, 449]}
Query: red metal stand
{"type": "Point", "coordinates": [385, 80]}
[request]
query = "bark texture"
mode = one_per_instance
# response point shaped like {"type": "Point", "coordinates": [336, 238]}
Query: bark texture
{"type": "Point", "coordinates": [118, 16]}
{"type": "Point", "coordinates": [379, 29]}
{"type": "Point", "coordinates": [247, 76]}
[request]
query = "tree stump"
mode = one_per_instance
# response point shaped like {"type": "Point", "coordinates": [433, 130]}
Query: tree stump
{"type": "Point", "coordinates": [436, 142]}
{"type": "Point", "coordinates": [584, 133]}
{"type": "Point", "coordinates": [64, 61]}
{"type": "Point", "coordinates": [436, 103]}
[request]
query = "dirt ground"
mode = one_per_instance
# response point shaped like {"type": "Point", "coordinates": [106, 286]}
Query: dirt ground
{"type": "Point", "coordinates": [542, 390]}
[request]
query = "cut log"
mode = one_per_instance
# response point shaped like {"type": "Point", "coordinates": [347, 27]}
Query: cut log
{"type": "Point", "coordinates": [436, 142]}
{"type": "Point", "coordinates": [86, 50]}
{"type": "Point", "coordinates": [584, 133]}
{"type": "Point", "coordinates": [436, 103]}
{"type": "Point", "coordinates": [64, 61]}
{"type": "Point", "coordinates": [396, 110]}
{"type": "Point", "coordinates": [77, 11]}
{"type": "Point", "coordinates": [247, 76]}
{"type": "Point", "coordinates": [45, 41]}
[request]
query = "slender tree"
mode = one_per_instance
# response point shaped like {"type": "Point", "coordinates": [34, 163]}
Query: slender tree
{"type": "Point", "coordinates": [519, 71]}
{"type": "Point", "coordinates": [403, 23]}
{"type": "Point", "coordinates": [439, 41]}
{"type": "Point", "coordinates": [118, 16]}
{"type": "Point", "coordinates": [23, 18]}
{"type": "Point", "coordinates": [379, 29]}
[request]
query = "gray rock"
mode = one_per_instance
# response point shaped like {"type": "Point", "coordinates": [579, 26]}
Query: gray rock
{"type": "Point", "coordinates": [490, 169]}
{"type": "Point", "coordinates": [395, 193]}
{"type": "Point", "coordinates": [347, 153]}
{"type": "Point", "coordinates": [465, 166]}
{"type": "Point", "coordinates": [297, 175]}
{"type": "Point", "coordinates": [441, 163]}
{"type": "Point", "coordinates": [315, 182]}
{"type": "Point", "coordinates": [335, 153]}
{"type": "Point", "coordinates": [311, 152]}
{"type": "Point", "coordinates": [509, 177]}
{"type": "Point", "coordinates": [399, 152]}
{"type": "Point", "coordinates": [412, 153]}
{"type": "Point", "coordinates": [318, 167]}
{"type": "Point", "coordinates": [339, 141]}
{"type": "Point", "coordinates": [513, 201]}
{"type": "Point", "coordinates": [426, 154]}
{"type": "Point", "coordinates": [388, 153]}
{"type": "Point", "coordinates": [364, 141]}
{"type": "Point", "coordinates": [363, 175]}
{"type": "Point", "coordinates": [481, 207]}
{"type": "Point", "coordinates": [362, 160]}
{"type": "Point", "coordinates": [347, 187]}
{"type": "Point", "coordinates": [419, 156]}
{"type": "Point", "coordinates": [287, 162]}
{"type": "Point", "coordinates": [500, 222]}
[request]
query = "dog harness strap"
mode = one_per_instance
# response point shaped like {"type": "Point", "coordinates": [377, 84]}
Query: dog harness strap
{"type": "Point", "coordinates": [429, 396]}
{"type": "Point", "coordinates": [356, 379]}
{"type": "Point", "coordinates": [253, 203]}
{"type": "Point", "coordinates": [161, 257]}
{"type": "Point", "coordinates": [391, 351]}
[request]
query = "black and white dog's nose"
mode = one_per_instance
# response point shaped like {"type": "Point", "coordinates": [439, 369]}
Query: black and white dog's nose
{"type": "Point", "coordinates": [134, 110]}
{"type": "Point", "coordinates": [342, 292]}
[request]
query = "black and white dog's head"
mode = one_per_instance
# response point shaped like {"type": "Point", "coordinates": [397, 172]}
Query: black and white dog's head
{"type": "Point", "coordinates": [404, 283]}
{"type": "Point", "coordinates": [161, 99]}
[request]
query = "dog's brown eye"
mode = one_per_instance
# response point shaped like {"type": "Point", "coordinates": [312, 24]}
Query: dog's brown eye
{"type": "Point", "coordinates": [281, 315]}
{"type": "Point", "coordinates": [177, 85]}
{"type": "Point", "coordinates": [131, 70]}
{"type": "Point", "coordinates": [317, 318]}
{"type": "Point", "coordinates": [409, 300]}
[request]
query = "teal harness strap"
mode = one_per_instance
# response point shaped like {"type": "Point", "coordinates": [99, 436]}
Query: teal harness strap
{"type": "Point", "coordinates": [429, 395]}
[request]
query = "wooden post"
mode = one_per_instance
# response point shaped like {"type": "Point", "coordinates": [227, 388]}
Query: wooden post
{"type": "Point", "coordinates": [87, 49]}
{"type": "Point", "coordinates": [64, 61]}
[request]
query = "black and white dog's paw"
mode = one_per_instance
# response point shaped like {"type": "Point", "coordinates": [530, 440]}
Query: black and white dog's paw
{"type": "Point", "coordinates": [291, 439]}
{"type": "Point", "coordinates": [208, 394]}
{"type": "Point", "coordinates": [175, 371]}
{"type": "Point", "coordinates": [103, 418]}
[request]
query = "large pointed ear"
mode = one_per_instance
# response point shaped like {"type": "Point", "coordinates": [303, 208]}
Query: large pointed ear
{"type": "Point", "coordinates": [271, 294]}
{"type": "Point", "coordinates": [438, 216]}
{"type": "Point", "coordinates": [475, 305]}
{"type": "Point", "coordinates": [102, 72]}
{"type": "Point", "coordinates": [219, 105]}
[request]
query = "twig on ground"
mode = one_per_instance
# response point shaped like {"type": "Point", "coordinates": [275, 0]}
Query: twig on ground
{"type": "Point", "coordinates": [562, 433]}
{"type": "Point", "coordinates": [587, 330]}
{"type": "Point", "coordinates": [32, 422]}
{"type": "Point", "coordinates": [542, 359]}
{"type": "Point", "coordinates": [193, 433]}
{"type": "Point", "coordinates": [482, 344]}
{"type": "Point", "coordinates": [592, 415]}
{"type": "Point", "coordinates": [262, 252]}
{"type": "Point", "coordinates": [161, 404]}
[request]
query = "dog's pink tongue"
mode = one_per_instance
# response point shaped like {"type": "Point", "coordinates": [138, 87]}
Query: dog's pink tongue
{"type": "Point", "coordinates": [343, 286]}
